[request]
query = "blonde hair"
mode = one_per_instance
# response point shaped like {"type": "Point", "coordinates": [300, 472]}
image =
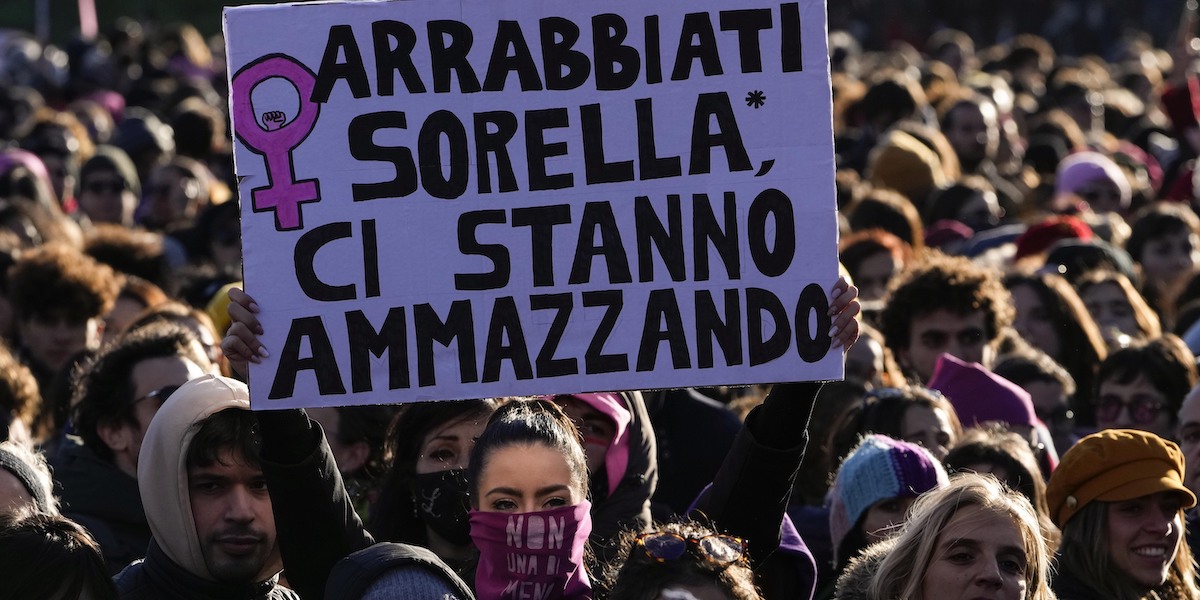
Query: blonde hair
{"type": "Point", "coordinates": [902, 572]}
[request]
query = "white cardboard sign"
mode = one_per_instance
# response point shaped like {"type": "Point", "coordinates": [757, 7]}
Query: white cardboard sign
{"type": "Point", "coordinates": [474, 198]}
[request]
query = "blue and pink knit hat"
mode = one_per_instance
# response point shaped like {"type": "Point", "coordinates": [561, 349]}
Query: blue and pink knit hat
{"type": "Point", "coordinates": [878, 469]}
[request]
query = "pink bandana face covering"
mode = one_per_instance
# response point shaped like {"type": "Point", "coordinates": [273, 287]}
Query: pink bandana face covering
{"type": "Point", "coordinates": [535, 555]}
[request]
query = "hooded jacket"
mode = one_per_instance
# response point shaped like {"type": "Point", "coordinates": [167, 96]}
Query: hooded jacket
{"type": "Point", "coordinates": [621, 498]}
{"type": "Point", "coordinates": [355, 574]}
{"type": "Point", "coordinates": [175, 567]}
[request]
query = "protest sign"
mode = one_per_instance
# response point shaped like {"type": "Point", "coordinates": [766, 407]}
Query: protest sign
{"type": "Point", "coordinates": [473, 198]}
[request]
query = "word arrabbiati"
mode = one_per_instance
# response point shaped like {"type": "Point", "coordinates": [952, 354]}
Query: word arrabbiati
{"type": "Point", "coordinates": [612, 61]}
{"type": "Point", "coordinates": [733, 327]}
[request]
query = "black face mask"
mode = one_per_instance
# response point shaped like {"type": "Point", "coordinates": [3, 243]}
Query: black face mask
{"type": "Point", "coordinates": [441, 500]}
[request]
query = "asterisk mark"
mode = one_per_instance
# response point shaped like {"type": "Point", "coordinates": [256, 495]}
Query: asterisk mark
{"type": "Point", "coordinates": [756, 99]}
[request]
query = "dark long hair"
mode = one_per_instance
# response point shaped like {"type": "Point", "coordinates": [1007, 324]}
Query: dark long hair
{"type": "Point", "coordinates": [1081, 345]}
{"type": "Point", "coordinates": [394, 517]}
{"type": "Point", "coordinates": [49, 556]}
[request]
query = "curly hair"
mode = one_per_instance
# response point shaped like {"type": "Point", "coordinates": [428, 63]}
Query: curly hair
{"type": "Point", "coordinates": [105, 389]}
{"type": "Point", "coordinates": [634, 575]}
{"type": "Point", "coordinates": [19, 393]}
{"type": "Point", "coordinates": [56, 279]}
{"type": "Point", "coordinates": [139, 253]}
{"type": "Point", "coordinates": [942, 282]}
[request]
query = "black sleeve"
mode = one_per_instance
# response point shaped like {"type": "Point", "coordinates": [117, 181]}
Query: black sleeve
{"type": "Point", "coordinates": [750, 493]}
{"type": "Point", "coordinates": [314, 518]}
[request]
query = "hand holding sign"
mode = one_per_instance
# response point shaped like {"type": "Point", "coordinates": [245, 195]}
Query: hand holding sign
{"type": "Point", "coordinates": [241, 345]}
{"type": "Point", "coordinates": [844, 308]}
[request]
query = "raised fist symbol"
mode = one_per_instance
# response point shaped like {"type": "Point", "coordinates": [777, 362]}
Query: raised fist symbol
{"type": "Point", "coordinates": [273, 119]}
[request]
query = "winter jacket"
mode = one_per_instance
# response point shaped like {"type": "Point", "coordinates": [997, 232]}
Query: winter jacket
{"type": "Point", "coordinates": [105, 500]}
{"type": "Point", "coordinates": [693, 434]}
{"type": "Point", "coordinates": [158, 577]}
{"type": "Point", "coordinates": [315, 519]}
{"type": "Point", "coordinates": [750, 494]}
{"type": "Point", "coordinates": [856, 578]}
{"type": "Point", "coordinates": [1068, 587]}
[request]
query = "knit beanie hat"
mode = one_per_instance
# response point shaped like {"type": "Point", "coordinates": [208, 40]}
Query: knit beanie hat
{"type": "Point", "coordinates": [410, 581]}
{"type": "Point", "coordinates": [878, 469]}
{"type": "Point", "coordinates": [393, 570]}
{"type": "Point", "coordinates": [979, 395]}
{"type": "Point", "coordinates": [1076, 171]}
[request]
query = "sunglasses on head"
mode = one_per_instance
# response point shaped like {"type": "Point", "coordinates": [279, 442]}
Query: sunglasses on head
{"type": "Point", "coordinates": [718, 551]}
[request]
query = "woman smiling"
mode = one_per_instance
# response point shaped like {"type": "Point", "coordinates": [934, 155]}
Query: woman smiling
{"type": "Point", "coordinates": [1118, 496]}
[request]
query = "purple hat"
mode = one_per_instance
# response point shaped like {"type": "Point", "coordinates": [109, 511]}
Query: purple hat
{"type": "Point", "coordinates": [878, 469]}
{"type": "Point", "coordinates": [979, 395]}
{"type": "Point", "coordinates": [1078, 170]}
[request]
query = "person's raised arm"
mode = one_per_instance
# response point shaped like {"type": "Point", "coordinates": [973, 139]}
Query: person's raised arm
{"type": "Point", "coordinates": [750, 493]}
{"type": "Point", "coordinates": [314, 517]}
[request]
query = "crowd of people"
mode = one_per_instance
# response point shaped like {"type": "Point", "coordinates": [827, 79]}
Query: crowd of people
{"type": "Point", "coordinates": [1019, 312]}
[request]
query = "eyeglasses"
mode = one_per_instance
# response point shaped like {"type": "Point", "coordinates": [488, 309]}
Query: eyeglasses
{"type": "Point", "coordinates": [160, 395]}
{"type": "Point", "coordinates": [1142, 409]}
{"type": "Point", "coordinates": [718, 550]}
{"type": "Point", "coordinates": [111, 186]}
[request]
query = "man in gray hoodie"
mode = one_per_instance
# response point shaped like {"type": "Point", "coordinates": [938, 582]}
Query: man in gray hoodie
{"type": "Point", "coordinates": [206, 501]}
